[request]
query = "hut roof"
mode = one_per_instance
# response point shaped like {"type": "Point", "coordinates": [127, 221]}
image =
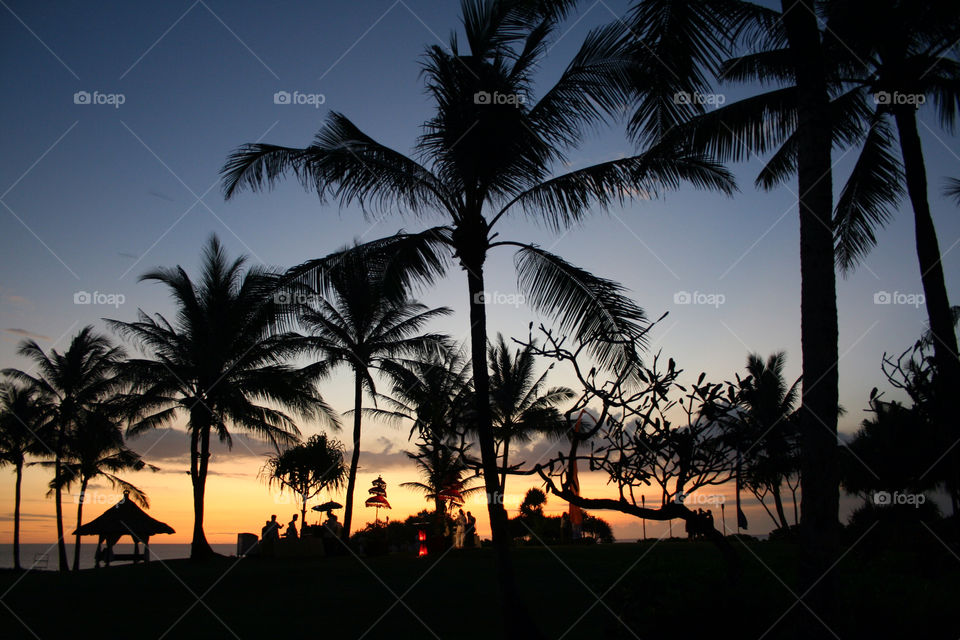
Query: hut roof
{"type": "Point", "coordinates": [123, 519]}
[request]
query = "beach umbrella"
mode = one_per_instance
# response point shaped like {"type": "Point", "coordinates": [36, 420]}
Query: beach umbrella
{"type": "Point", "coordinates": [378, 497]}
{"type": "Point", "coordinates": [328, 506]}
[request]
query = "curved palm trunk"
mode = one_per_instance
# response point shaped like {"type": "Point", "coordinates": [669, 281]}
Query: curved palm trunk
{"type": "Point", "coordinates": [932, 278]}
{"type": "Point", "coordinates": [516, 617]}
{"type": "Point", "coordinates": [506, 460]}
{"type": "Point", "coordinates": [58, 495]}
{"type": "Point", "coordinates": [16, 517]}
{"type": "Point", "coordinates": [355, 456]}
{"type": "Point", "coordinates": [199, 459]}
{"type": "Point", "coordinates": [76, 542]}
{"type": "Point", "coordinates": [778, 503]}
{"type": "Point", "coordinates": [818, 322]}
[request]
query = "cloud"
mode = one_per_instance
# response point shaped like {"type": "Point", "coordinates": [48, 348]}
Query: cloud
{"type": "Point", "coordinates": [28, 517]}
{"type": "Point", "coordinates": [27, 334]}
{"type": "Point", "coordinates": [172, 446]}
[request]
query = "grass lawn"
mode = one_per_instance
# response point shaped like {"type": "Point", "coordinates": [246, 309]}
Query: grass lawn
{"type": "Point", "coordinates": [649, 590]}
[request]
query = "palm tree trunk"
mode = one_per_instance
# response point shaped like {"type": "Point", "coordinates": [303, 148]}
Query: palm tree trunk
{"type": "Point", "coordinates": [199, 459]}
{"type": "Point", "coordinates": [778, 502]}
{"type": "Point", "coordinates": [16, 516]}
{"type": "Point", "coordinates": [818, 309]}
{"type": "Point", "coordinates": [506, 459]}
{"type": "Point", "coordinates": [355, 456]}
{"type": "Point", "coordinates": [516, 617]}
{"type": "Point", "coordinates": [58, 494]}
{"type": "Point", "coordinates": [932, 278]}
{"type": "Point", "coordinates": [76, 542]}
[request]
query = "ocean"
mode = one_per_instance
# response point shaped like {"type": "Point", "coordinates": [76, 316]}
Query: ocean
{"type": "Point", "coordinates": [44, 556]}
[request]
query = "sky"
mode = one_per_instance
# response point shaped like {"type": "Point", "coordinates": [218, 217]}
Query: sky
{"type": "Point", "coordinates": [119, 116]}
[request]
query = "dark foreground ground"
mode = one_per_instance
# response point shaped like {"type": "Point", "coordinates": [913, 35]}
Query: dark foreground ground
{"type": "Point", "coordinates": [663, 589]}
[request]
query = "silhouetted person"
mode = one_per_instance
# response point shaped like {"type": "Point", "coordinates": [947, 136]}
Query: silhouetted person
{"type": "Point", "coordinates": [566, 531]}
{"type": "Point", "coordinates": [271, 536]}
{"type": "Point", "coordinates": [460, 529]}
{"type": "Point", "coordinates": [708, 522]}
{"type": "Point", "coordinates": [471, 530]}
{"type": "Point", "coordinates": [291, 532]}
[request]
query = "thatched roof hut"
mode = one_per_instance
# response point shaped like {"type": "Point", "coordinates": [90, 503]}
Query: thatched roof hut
{"type": "Point", "coordinates": [124, 519]}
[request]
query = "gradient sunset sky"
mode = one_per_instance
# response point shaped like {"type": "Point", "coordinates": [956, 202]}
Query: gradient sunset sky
{"type": "Point", "coordinates": [93, 195]}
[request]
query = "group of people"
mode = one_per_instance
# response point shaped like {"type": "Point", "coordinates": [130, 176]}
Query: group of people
{"type": "Point", "coordinates": [465, 530]}
{"type": "Point", "coordinates": [270, 533]}
{"type": "Point", "coordinates": [700, 526]}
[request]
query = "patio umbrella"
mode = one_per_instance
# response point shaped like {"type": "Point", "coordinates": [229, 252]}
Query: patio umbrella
{"type": "Point", "coordinates": [328, 506]}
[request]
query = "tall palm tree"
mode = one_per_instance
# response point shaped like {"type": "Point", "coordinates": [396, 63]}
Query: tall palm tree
{"type": "Point", "coordinates": [22, 424]}
{"type": "Point", "coordinates": [68, 385]}
{"type": "Point", "coordinates": [521, 405]}
{"type": "Point", "coordinates": [444, 470]}
{"type": "Point", "coordinates": [493, 149]}
{"type": "Point", "coordinates": [683, 44]}
{"type": "Point", "coordinates": [361, 325]}
{"type": "Point", "coordinates": [95, 450]}
{"type": "Point", "coordinates": [221, 363]}
{"type": "Point", "coordinates": [904, 54]}
{"type": "Point", "coordinates": [770, 404]}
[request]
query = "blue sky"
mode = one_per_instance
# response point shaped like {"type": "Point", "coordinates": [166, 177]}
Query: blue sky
{"type": "Point", "coordinates": [94, 195]}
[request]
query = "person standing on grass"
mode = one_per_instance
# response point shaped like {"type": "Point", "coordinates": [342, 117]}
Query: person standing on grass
{"type": "Point", "coordinates": [291, 533]}
{"type": "Point", "coordinates": [460, 529]}
{"type": "Point", "coordinates": [471, 530]}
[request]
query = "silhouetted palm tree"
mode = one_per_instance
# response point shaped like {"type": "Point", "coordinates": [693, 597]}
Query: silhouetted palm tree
{"type": "Point", "coordinates": [681, 47]}
{"type": "Point", "coordinates": [95, 450]}
{"type": "Point", "coordinates": [22, 423]}
{"type": "Point", "coordinates": [490, 150]}
{"type": "Point", "coordinates": [522, 408]}
{"type": "Point", "coordinates": [221, 356]}
{"type": "Point", "coordinates": [68, 385]}
{"type": "Point", "coordinates": [773, 443]}
{"type": "Point", "coordinates": [444, 470]}
{"type": "Point", "coordinates": [307, 469]}
{"type": "Point", "coordinates": [359, 324]}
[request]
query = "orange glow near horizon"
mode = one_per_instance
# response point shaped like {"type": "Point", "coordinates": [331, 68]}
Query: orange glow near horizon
{"type": "Point", "coordinates": [238, 501]}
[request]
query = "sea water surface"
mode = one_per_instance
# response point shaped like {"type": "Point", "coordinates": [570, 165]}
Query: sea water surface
{"type": "Point", "coordinates": [44, 556]}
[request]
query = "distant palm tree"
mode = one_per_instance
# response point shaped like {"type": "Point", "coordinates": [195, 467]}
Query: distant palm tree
{"type": "Point", "coordinates": [522, 408]}
{"type": "Point", "coordinates": [221, 356]}
{"type": "Point", "coordinates": [95, 450]}
{"type": "Point", "coordinates": [307, 468]}
{"type": "Point", "coordinates": [494, 149]}
{"type": "Point", "coordinates": [68, 385]}
{"type": "Point", "coordinates": [361, 325]}
{"type": "Point", "coordinates": [434, 393]}
{"type": "Point", "coordinates": [773, 442]}
{"type": "Point", "coordinates": [22, 423]}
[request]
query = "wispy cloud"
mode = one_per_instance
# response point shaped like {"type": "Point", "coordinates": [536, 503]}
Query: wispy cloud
{"type": "Point", "coordinates": [27, 334]}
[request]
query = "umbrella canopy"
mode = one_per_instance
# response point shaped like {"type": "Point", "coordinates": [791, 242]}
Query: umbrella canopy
{"type": "Point", "coordinates": [327, 506]}
{"type": "Point", "coordinates": [124, 519]}
{"type": "Point", "coordinates": [377, 501]}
